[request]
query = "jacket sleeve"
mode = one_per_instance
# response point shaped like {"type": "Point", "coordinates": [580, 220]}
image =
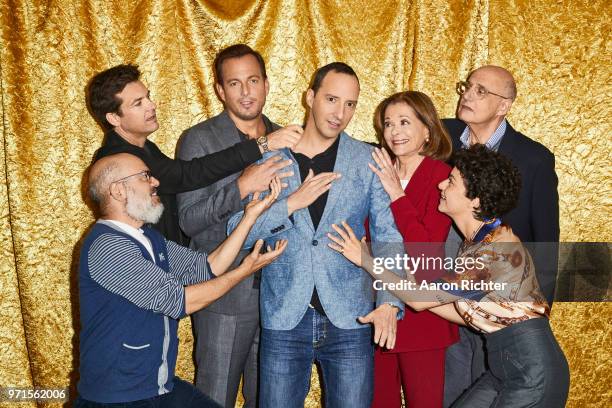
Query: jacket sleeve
{"type": "Point", "coordinates": [386, 239]}
{"type": "Point", "coordinates": [424, 234]}
{"type": "Point", "coordinates": [178, 176]}
{"type": "Point", "coordinates": [545, 225]}
{"type": "Point", "coordinates": [545, 201]}
{"type": "Point", "coordinates": [273, 221]}
{"type": "Point", "coordinates": [201, 208]}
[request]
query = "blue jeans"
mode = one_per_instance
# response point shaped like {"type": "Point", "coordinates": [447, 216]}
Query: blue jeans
{"type": "Point", "coordinates": [183, 395]}
{"type": "Point", "coordinates": [346, 358]}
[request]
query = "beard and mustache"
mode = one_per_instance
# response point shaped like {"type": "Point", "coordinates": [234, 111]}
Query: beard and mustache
{"type": "Point", "coordinates": [143, 208]}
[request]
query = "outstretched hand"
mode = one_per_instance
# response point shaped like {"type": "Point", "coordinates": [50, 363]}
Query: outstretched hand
{"type": "Point", "coordinates": [256, 260]}
{"type": "Point", "coordinates": [311, 189]}
{"type": "Point", "coordinates": [257, 177]}
{"type": "Point", "coordinates": [347, 243]}
{"type": "Point", "coordinates": [387, 173]}
{"type": "Point", "coordinates": [384, 320]}
{"type": "Point", "coordinates": [289, 137]}
{"type": "Point", "coordinates": [257, 205]}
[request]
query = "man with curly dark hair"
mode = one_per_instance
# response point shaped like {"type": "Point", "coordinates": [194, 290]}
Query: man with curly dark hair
{"type": "Point", "coordinates": [485, 99]}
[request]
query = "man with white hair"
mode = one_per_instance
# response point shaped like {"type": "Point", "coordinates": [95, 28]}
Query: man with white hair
{"type": "Point", "coordinates": [134, 286]}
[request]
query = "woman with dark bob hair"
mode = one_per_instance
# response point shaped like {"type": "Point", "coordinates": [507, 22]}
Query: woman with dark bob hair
{"type": "Point", "coordinates": [410, 167]}
{"type": "Point", "coordinates": [493, 287]}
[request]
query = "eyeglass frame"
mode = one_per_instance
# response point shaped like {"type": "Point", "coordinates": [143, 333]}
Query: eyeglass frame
{"type": "Point", "coordinates": [469, 86]}
{"type": "Point", "coordinates": [146, 173]}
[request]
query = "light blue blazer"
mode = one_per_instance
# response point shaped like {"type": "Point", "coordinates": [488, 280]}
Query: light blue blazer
{"type": "Point", "coordinates": [344, 289]}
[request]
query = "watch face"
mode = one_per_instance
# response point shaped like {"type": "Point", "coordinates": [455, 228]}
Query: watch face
{"type": "Point", "coordinates": [262, 139]}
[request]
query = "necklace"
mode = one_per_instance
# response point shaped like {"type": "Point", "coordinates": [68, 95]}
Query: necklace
{"type": "Point", "coordinates": [471, 239]}
{"type": "Point", "coordinates": [485, 229]}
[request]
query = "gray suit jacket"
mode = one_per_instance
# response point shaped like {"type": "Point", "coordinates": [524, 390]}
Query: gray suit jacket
{"type": "Point", "coordinates": [203, 213]}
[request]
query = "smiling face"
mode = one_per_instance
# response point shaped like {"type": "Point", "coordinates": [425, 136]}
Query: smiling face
{"type": "Point", "coordinates": [404, 133]}
{"type": "Point", "coordinates": [142, 205]}
{"type": "Point", "coordinates": [333, 105]}
{"type": "Point", "coordinates": [244, 89]}
{"type": "Point", "coordinates": [491, 108]}
{"type": "Point", "coordinates": [136, 117]}
{"type": "Point", "coordinates": [139, 195]}
{"type": "Point", "coordinates": [453, 199]}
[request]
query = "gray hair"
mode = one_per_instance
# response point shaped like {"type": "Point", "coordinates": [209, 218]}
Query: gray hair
{"type": "Point", "coordinates": [99, 182]}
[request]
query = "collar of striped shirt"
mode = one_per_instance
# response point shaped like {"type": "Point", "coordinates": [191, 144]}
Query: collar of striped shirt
{"type": "Point", "coordinates": [135, 233]}
{"type": "Point", "coordinates": [493, 142]}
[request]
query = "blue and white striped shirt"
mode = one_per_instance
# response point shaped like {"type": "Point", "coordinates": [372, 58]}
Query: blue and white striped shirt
{"type": "Point", "coordinates": [493, 142]}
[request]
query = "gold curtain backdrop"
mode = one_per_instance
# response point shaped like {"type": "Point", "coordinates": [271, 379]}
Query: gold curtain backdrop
{"type": "Point", "coordinates": [559, 52]}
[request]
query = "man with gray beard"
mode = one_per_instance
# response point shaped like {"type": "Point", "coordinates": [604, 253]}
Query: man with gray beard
{"type": "Point", "coordinates": [134, 285]}
{"type": "Point", "coordinates": [142, 207]}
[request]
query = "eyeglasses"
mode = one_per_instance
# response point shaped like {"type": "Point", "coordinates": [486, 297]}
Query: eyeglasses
{"type": "Point", "coordinates": [480, 91]}
{"type": "Point", "coordinates": [146, 174]}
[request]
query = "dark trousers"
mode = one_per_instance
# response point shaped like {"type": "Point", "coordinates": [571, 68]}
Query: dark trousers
{"type": "Point", "coordinates": [465, 363]}
{"type": "Point", "coordinates": [526, 368]}
{"type": "Point", "coordinates": [183, 395]}
{"type": "Point", "coordinates": [226, 350]}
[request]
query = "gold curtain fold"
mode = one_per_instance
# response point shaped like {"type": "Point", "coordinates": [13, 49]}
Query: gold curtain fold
{"type": "Point", "coordinates": [559, 52]}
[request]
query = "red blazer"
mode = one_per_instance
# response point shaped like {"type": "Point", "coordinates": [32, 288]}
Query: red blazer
{"type": "Point", "coordinates": [418, 220]}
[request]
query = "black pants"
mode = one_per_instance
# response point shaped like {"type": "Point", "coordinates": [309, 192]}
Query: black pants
{"type": "Point", "coordinates": [527, 368]}
{"type": "Point", "coordinates": [183, 395]}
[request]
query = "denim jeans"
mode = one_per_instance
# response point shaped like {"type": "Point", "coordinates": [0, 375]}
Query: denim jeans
{"type": "Point", "coordinates": [183, 395]}
{"type": "Point", "coordinates": [346, 358]}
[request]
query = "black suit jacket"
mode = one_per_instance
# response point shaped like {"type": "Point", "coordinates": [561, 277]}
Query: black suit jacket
{"type": "Point", "coordinates": [536, 216]}
{"type": "Point", "coordinates": [177, 176]}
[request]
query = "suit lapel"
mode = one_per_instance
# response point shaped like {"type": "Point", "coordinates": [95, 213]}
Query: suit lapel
{"type": "Point", "coordinates": [418, 182]}
{"type": "Point", "coordinates": [508, 142]}
{"type": "Point", "coordinates": [456, 139]}
{"type": "Point", "coordinates": [342, 166]}
{"type": "Point", "coordinates": [226, 130]}
{"type": "Point", "coordinates": [301, 216]}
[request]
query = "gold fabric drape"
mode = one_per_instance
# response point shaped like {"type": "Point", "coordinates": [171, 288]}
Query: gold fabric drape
{"type": "Point", "coordinates": [559, 52]}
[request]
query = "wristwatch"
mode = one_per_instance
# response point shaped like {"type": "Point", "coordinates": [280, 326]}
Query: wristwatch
{"type": "Point", "coordinates": [263, 142]}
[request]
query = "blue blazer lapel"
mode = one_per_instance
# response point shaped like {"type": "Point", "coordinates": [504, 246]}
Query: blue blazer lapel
{"type": "Point", "coordinates": [302, 216]}
{"type": "Point", "coordinates": [342, 166]}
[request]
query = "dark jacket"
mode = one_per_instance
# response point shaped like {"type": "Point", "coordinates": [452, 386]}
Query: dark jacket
{"type": "Point", "coordinates": [177, 176]}
{"type": "Point", "coordinates": [536, 216]}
